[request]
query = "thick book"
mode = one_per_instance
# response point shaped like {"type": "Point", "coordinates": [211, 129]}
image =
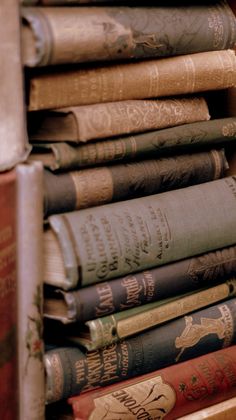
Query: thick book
{"type": "Point", "coordinates": [92, 187]}
{"type": "Point", "coordinates": [141, 288]}
{"type": "Point", "coordinates": [191, 73]}
{"type": "Point", "coordinates": [104, 331]}
{"type": "Point", "coordinates": [168, 393]}
{"type": "Point", "coordinates": [70, 371]}
{"type": "Point", "coordinates": [96, 244]}
{"type": "Point", "coordinates": [64, 35]}
{"type": "Point", "coordinates": [30, 294]}
{"type": "Point", "coordinates": [8, 292]}
{"type": "Point", "coordinates": [14, 146]}
{"type": "Point", "coordinates": [184, 138]}
{"type": "Point", "coordinates": [88, 122]}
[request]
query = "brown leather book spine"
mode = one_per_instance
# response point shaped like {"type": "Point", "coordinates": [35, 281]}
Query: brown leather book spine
{"type": "Point", "coordinates": [96, 186]}
{"type": "Point", "coordinates": [145, 79]}
{"type": "Point", "coordinates": [173, 391]}
{"type": "Point", "coordinates": [8, 294]}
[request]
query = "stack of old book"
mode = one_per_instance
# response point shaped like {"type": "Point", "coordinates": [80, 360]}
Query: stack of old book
{"type": "Point", "coordinates": [118, 111]}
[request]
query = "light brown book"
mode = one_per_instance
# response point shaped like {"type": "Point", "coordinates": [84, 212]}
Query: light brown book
{"type": "Point", "coordinates": [55, 35]}
{"type": "Point", "coordinates": [30, 292]}
{"type": "Point", "coordinates": [83, 123]}
{"type": "Point", "coordinates": [145, 79]}
{"type": "Point", "coordinates": [13, 145]}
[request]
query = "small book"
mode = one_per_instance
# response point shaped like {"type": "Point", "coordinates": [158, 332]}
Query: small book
{"type": "Point", "coordinates": [179, 75]}
{"type": "Point", "coordinates": [89, 122]}
{"type": "Point", "coordinates": [65, 35]}
{"type": "Point", "coordinates": [86, 246]}
{"type": "Point", "coordinates": [96, 186]}
{"type": "Point", "coordinates": [61, 156]}
{"type": "Point", "coordinates": [104, 331]}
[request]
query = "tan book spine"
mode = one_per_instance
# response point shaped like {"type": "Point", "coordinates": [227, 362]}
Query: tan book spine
{"type": "Point", "coordinates": [13, 145]}
{"type": "Point", "coordinates": [30, 299]}
{"type": "Point", "coordinates": [145, 79]}
{"type": "Point", "coordinates": [115, 118]}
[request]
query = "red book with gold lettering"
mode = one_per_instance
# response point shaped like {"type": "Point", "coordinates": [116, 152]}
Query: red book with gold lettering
{"type": "Point", "coordinates": [167, 393]}
{"type": "Point", "coordinates": [8, 298]}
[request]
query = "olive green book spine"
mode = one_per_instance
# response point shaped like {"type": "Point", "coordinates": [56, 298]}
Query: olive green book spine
{"type": "Point", "coordinates": [184, 138]}
{"type": "Point", "coordinates": [92, 187]}
{"type": "Point", "coordinates": [107, 330]}
{"type": "Point", "coordinates": [112, 240]}
{"type": "Point", "coordinates": [65, 35]}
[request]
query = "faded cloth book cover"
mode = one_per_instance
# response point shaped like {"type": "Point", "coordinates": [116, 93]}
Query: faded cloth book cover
{"type": "Point", "coordinates": [179, 139]}
{"type": "Point", "coordinates": [56, 35]}
{"type": "Point", "coordinates": [167, 393]}
{"type": "Point", "coordinates": [70, 371]}
{"type": "Point", "coordinates": [141, 288]}
{"type": "Point", "coordinates": [100, 332]}
{"type": "Point", "coordinates": [30, 294]}
{"type": "Point", "coordinates": [14, 146]}
{"type": "Point", "coordinates": [191, 73]}
{"type": "Point", "coordinates": [92, 187]}
{"type": "Point", "coordinates": [88, 122]}
{"type": "Point", "coordinates": [96, 244]}
{"type": "Point", "coordinates": [8, 293]}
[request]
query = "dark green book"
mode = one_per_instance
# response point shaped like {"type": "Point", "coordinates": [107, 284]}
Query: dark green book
{"type": "Point", "coordinates": [92, 187]}
{"type": "Point", "coordinates": [69, 371]}
{"type": "Point", "coordinates": [153, 144]}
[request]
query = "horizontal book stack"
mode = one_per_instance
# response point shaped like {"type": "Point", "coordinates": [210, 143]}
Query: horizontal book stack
{"type": "Point", "coordinates": [139, 239]}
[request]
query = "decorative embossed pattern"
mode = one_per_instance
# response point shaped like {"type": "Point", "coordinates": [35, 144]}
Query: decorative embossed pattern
{"type": "Point", "coordinates": [144, 79]}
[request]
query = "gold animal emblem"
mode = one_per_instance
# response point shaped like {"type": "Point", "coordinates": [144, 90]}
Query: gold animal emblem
{"type": "Point", "coordinates": [193, 333]}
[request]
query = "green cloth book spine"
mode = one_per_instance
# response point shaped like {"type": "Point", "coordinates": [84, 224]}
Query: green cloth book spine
{"type": "Point", "coordinates": [92, 187]}
{"type": "Point", "coordinates": [184, 138]}
{"type": "Point", "coordinates": [69, 371]}
{"type": "Point", "coordinates": [112, 240]}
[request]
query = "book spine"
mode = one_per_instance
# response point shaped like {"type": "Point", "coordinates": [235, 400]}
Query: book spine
{"type": "Point", "coordinates": [144, 79]}
{"type": "Point", "coordinates": [8, 293]}
{"type": "Point", "coordinates": [149, 286]}
{"type": "Point", "coordinates": [91, 187]}
{"type": "Point", "coordinates": [30, 295]}
{"type": "Point", "coordinates": [136, 32]}
{"type": "Point", "coordinates": [69, 371]}
{"type": "Point", "coordinates": [14, 147]}
{"type": "Point", "coordinates": [120, 238]}
{"type": "Point", "coordinates": [170, 393]}
{"type": "Point", "coordinates": [122, 117]}
{"type": "Point", "coordinates": [112, 328]}
{"type": "Point", "coordinates": [186, 137]}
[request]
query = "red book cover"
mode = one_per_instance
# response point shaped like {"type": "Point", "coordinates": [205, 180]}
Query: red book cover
{"type": "Point", "coordinates": [8, 298]}
{"type": "Point", "coordinates": [167, 393]}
